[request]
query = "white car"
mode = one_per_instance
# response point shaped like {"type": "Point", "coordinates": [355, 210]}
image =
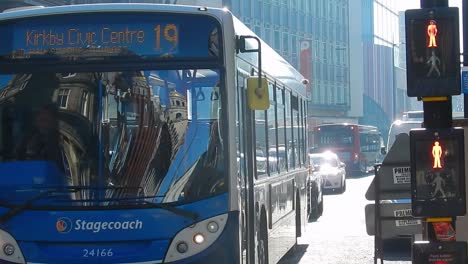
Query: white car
{"type": "Point", "coordinates": [332, 170]}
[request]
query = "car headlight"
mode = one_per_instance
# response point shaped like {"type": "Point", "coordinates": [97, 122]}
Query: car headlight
{"type": "Point", "coordinates": [195, 238]}
{"type": "Point", "coordinates": [10, 250]}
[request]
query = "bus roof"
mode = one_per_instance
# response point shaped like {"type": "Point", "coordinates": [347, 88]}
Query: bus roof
{"type": "Point", "coordinates": [272, 63]}
{"type": "Point", "coordinates": [347, 125]}
{"type": "Point", "coordinates": [117, 7]}
{"type": "Point", "coordinates": [21, 8]}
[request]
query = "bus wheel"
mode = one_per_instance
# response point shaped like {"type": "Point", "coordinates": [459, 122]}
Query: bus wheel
{"type": "Point", "coordinates": [262, 243]}
{"type": "Point", "coordinates": [314, 211]}
{"type": "Point", "coordinates": [320, 208]}
{"type": "Point", "coordinates": [298, 216]}
{"type": "Point", "coordinates": [343, 187]}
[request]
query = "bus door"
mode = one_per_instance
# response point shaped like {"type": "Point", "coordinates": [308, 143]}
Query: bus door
{"type": "Point", "coordinates": [245, 157]}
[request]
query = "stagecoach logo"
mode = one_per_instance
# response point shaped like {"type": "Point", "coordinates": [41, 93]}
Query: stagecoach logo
{"type": "Point", "coordinates": [64, 225]}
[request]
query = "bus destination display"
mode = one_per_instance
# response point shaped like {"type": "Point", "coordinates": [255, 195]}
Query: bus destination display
{"type": "Point", "coordinates": [76, 36]}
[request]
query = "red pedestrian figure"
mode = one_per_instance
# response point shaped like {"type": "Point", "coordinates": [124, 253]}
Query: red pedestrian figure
{"type": "Point", "coordinates": [432, 32]}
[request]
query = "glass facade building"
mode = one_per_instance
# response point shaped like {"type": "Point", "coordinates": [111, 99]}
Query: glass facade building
{"type": "Point", "coordinates": [380, 38]}
{"type": "Point", "coordinates": [321, 26]}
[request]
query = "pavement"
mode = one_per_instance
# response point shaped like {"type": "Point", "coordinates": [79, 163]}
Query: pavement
{"type": "Point", "coordinates": [339, 235]}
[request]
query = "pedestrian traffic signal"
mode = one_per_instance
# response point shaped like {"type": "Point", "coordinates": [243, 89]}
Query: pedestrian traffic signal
{"type": "Point", "coordinates": [432, 52]}
{"type": "Point", "coordinates": [437, 172]}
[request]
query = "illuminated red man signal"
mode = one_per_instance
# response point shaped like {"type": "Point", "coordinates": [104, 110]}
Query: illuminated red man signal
{"type": "Point", "coordinates": [437, 154]}
{"type": "Point", "coordinates": [432, 33]}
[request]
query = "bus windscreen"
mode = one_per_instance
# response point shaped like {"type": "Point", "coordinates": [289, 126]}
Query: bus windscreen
{"type": "Point", "coordinates": [75, 37]}
{"type": "Point", "coordinates": [336, 137]}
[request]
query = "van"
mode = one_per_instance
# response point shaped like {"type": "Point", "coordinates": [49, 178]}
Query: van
{"type": "Point", "coordinates": [413, 115]}
{"type": "Point", "coordinates": [399, 127]}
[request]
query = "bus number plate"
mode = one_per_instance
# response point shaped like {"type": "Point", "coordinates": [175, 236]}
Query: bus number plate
{"type": "Point", "coordinates": [98, 253]}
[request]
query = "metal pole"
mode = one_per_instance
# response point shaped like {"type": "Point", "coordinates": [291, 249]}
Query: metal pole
{"type": "Point", "coordinates": [434, 3]}
{"type": "Point", "coordinates": [465, 49]}
{"type": "Point", "coordinates": [394, 81]}
{"type": "Point", "coordinates": [251, 165]}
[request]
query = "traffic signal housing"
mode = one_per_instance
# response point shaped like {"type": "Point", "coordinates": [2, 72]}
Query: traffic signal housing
{"type": "Point", "coordinates": [432, 52]}
{"type": "Point", "coordinates": [453, 252]}
{"type": "Point", "coordinates": [437, 172]}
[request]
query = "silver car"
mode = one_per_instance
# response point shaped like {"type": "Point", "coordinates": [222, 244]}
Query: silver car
{"type": "Point", "coordinates": [332, 170]}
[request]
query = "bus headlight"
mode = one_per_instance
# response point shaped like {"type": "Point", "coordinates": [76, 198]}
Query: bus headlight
{"type": "Point", "coordinates": [356, 157]}
{"type": "Point", "coordinates": [10, 249]}
{"type": "Point", "coordinates": [182, 247]}
{"type": "Point", "coordinates": [212, 227]}
{"type": "Point", "coordinates": [195, 238]}
{"type": "Point", "coordinates": [198, 238]}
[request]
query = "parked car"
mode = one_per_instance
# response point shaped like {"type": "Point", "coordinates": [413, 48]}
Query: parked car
{"type": "Point", "coordinates": [331, 169]}
{"type": "Point", "coordinates": [314, 192]}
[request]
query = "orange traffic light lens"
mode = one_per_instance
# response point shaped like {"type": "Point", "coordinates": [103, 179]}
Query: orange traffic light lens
{"type": "Point", "coordinates": [432, 34]}
{"type": "Point", "coordinates": [436, 155]}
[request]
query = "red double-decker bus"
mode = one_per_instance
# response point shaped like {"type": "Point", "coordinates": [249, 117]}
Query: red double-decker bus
{"type": "Point", "coordinates": [358, 146]}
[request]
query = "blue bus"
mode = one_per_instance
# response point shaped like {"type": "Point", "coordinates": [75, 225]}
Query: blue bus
{"type": "Point", "coordinates": [128, 136]}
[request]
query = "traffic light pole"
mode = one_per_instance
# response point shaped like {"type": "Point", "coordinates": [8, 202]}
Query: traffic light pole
{"type": "Point", "coordinates": [433, 3]}
{"type": "Point", "coordinates": [437, 114]}
{"type": "Point", "coordinates": [465, 49]}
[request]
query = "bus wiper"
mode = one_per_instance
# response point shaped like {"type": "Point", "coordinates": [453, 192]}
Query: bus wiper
{"type": "Point", "coordinates": [17, 209]}
{"type": "Point", "coordinates": [73, 189]}
{"type": "Point", "coordinates": [169, 208]}
{"type": "Point", "coordinates": [175, 210]}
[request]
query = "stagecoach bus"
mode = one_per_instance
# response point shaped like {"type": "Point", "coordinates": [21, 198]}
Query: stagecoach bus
{"type": "Point", "coordinates": [129, 135]}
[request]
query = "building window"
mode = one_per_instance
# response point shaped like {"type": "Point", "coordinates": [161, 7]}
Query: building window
{"type": "Point", "coordinates": [277, 42]}
{"type": "Point", "coordinates": [285, 42]}
{"type": "Point", "coordinates": [62, 98]}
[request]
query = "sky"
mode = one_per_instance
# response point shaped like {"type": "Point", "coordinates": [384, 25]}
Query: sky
{"type": "Point", "coordinates": [407, 4]}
